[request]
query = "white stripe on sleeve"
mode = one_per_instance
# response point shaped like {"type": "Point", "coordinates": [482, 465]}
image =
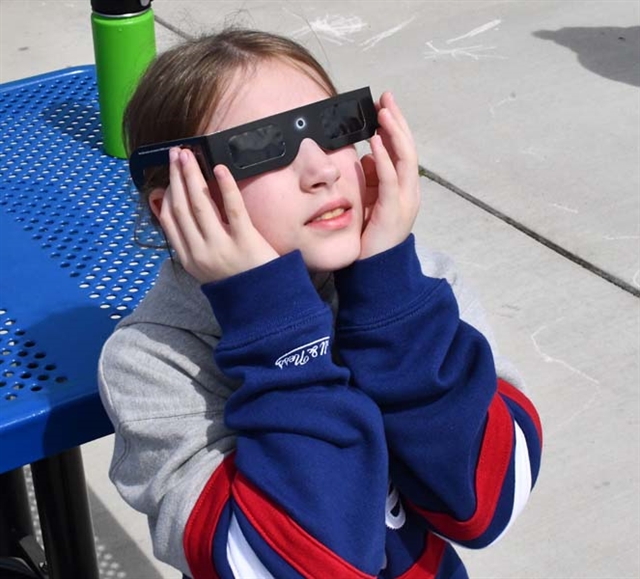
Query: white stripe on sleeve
{"type": "Point", "coordinates": [522, 487]}
{"type": "Point", "coordinates": [242, 558]}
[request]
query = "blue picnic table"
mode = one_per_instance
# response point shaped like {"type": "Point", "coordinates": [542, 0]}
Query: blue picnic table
{"type": "Point", "coordinates": [69, 270]}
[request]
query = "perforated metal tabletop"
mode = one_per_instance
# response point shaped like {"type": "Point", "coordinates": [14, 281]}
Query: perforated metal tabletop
{"type": "Point", "coordinates": [69, 268]}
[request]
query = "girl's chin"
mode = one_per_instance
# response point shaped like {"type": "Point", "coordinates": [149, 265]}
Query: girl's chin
{"type": "Point", "coordinates": [333, 260]}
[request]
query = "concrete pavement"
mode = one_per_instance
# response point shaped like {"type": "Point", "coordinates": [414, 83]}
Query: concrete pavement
{"type": "Point", "coordinates": [526, 116]}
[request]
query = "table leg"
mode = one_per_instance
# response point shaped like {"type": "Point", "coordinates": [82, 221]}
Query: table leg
{"type": "Point", "coordinates": [15, 513]}
{"type": "Point", "coordinates": [65, 517]}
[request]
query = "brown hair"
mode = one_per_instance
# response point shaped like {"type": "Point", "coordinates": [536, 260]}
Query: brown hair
{"type": "Point", "coordinates": [182, 87]}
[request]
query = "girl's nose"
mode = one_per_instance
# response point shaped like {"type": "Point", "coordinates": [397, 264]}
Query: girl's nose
{"type": "Point", "coordinates": [317, 168]}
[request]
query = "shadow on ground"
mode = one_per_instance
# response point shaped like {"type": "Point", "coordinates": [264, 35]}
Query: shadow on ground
{"type": "Point", "coordinates": [611, 52]}
{"type": "Point", "coordinates": [117, 554]}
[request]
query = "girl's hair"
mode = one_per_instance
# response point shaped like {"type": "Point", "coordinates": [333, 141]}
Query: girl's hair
{"type": "Point", "coordinates": [182, 87]}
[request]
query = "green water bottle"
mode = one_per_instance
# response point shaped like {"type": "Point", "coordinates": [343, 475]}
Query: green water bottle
{"type": "Point", "coordinates": [124, 44]}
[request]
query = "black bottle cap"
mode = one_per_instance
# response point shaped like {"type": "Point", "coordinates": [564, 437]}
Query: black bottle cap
{"type": "Point", "coordinates": [120, 7]}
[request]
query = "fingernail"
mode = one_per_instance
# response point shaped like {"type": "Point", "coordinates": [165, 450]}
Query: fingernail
{"type": "Point", "coordinates": [219, 172]}
{"type": "Point", "coordinates": [184, 155]}
{"type": "Point", "coordinates": [173, 154]}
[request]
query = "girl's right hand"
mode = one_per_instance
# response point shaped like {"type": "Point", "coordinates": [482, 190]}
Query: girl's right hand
{"type": "Point", "coordinates": [209, 247]}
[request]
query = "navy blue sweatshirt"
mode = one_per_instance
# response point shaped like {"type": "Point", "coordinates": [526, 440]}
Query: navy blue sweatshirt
{"type": "Point", "coordinates": [365, 444]}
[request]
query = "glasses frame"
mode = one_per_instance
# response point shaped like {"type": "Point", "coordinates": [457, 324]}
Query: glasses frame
{"type": "Point", "coordinates": [212, 149]}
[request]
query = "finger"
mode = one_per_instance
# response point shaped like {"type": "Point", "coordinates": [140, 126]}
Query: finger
{"type": "Point", "coordinates": [369, 169]}
{"type": "Point", "coordinates": [371, 180]}
{"type": "Point", "coordinates": [216, 196]}
{"type": "Point", "coordinates": [204, 211]}
{"type": "Point", "coordinates": [400, 147]}
{"type": "Point", "coordinates": [389, 102]}
{"type": "Point", "coordinates": [234, 207]}
{"type": "Point", "coordinates": [170, 227]}
{"type": "Point", "coordinates": [178, 201]}
{"type": "Point", "coordinates": [403, 156]}
{"type": "Point", "coordinates": [385, 168]}
{"type": "Point", "coordinates": [384, 134]}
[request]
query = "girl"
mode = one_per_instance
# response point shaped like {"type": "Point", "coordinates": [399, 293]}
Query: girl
{"type": "Point", "coordinates": [294, 397]}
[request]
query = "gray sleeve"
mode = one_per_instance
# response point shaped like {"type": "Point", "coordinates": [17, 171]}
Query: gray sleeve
{"type": "Point", "coordinates": [165, 398]}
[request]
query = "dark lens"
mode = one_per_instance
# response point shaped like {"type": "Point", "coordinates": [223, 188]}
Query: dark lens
{"type": "Point", "coordinates": [342, 119]}
{"type": "Point", "coordinates": [256, 146]}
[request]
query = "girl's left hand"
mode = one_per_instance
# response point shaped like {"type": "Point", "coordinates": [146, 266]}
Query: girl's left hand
{"type": "Point", "coordinates": [391, 173]}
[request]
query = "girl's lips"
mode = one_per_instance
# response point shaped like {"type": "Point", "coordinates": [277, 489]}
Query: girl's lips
{"type": "Point", "coordinates": [330, 211]}
{"type": "Point", "coordinates": [330, 214]}
{"type": "Point", "coordinates": [338, 218]}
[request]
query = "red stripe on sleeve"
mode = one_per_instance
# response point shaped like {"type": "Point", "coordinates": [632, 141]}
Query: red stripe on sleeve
{"type": "Point", "coordinates": [426, 567]}
{"type": "Point", "coordinates": [202, 523]}
{"type": "Point", "coordinates": [297, 547]}
{"type": "Point", "coordinates": [493, 464]}
{"type": "Point", "coordinates": [521, 400]}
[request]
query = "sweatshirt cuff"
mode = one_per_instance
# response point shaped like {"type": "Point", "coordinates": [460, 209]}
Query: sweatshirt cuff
{"type": "Point", "coordinates": [271, 296]}
{"type": "Point", "coordinates": [376, 288]}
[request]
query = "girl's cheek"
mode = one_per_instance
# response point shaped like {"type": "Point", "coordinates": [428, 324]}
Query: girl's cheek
{"type": "Point", "coordinates": [361, 182]}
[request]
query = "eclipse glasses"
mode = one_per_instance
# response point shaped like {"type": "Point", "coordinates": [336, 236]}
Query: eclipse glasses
{"type": "Point", "coordinates": [273, 142]}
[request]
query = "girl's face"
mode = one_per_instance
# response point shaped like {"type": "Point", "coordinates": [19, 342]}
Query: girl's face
{"type": "Point", "coordinates": [315, 204]}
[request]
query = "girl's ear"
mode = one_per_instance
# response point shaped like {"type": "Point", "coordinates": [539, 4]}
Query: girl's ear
{"type": "Point", "coordinates": [155, 201]}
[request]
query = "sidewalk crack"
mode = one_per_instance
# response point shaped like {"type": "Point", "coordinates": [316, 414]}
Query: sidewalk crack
{"type": "Point", "coordinates": [613, 279]}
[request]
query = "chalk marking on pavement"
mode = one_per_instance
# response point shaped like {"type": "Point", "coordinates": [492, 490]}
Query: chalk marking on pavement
{"type": "Point", "coordinates": [333, 28]}
{"type": "Point", "coordinates": [475, 52]}
{"type": "Point", "coordinates": [597, 391]}
{"type": "Point", "coordinates": [476, 31]}
{"type": "Point", "coordinates": [371, 42]}
{"type": "Point", "coordinates": [564, 208]}
{"type": "Point", "coordinates": [620, 237]}
{"type": "Point", "coordinates": [509, 99]}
